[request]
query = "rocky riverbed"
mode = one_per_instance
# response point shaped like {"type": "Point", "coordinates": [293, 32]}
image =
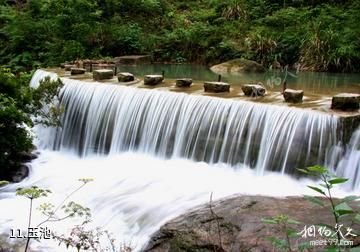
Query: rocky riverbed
{"type": "Point", "coordinates": [236, 224]}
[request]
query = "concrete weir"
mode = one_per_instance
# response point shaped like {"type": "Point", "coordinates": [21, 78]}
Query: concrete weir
{"type": "Point", "coordinates": [199, 127]}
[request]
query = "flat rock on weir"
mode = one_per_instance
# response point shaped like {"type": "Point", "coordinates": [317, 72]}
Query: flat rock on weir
{"type": "Point", "coordinates": [239, 221]}
{"type": "Point", "coordinates": [133, 59]}
{"type": "Point", "coordinates": [346, 101]}
{"type": "Point", "coordinates": [75, 71]}
{"type": "Point", "coordinates": [68, 67]}
{"type": "Point", "coordinates": [185, 82]}
{"type": "Point", "coordinates": [125, 77]}
{"type": "Point", "coordinates": [293, 96]}
{"type": "Point", "coordinates": [153, 79]}
{"type": "Point", "coordinates": [253, 90]}
{"type": "Point", "coordinates": [216, 87]}
{"type": "Point", "coordinates": [103, 74]}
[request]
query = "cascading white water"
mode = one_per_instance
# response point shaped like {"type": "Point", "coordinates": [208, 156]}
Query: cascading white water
{"type": "Point", "coordinates": [111, 119]}
{"type": "Point", "coordinates": [39, 75]}
{"type": "Point", "coordinates": [148, 137]}
{"type": "Point", "coordinates": [349, 165]}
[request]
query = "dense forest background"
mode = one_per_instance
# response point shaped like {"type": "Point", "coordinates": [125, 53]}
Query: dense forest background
{"type": "Point", "coordinates": [315, 35]}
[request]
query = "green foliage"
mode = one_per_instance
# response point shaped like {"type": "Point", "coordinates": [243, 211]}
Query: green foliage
{"type": "Point", "coordinates": [329, 180]}
{"type": "Point", "coordinates": [339, 209]}
{"type": "Point", "coordinates": [33, 192]}
{"type": "Point", "coordinates": [318, 35]}
{"type": "Point", "coordinates": [81, 237]}
{"type": "Point", "coordinates": [17, 103]}
{"type": "Point", "coordinates": [14, 137]}
{"type": "Point", "coordinates": [284, 223]}
{"type": "Point", "coordinates": [45, 105]}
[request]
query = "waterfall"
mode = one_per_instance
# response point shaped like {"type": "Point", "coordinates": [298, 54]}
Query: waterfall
{"type": "Point", "coordinates": [349, 165]}
{"type": "Point", "coordinates": [105, 119]}
{"type": "Point", "coordinates": [39, 75]}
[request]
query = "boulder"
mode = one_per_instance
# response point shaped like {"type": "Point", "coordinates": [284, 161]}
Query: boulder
{"type": "Point", "coordinates": [103, 74]}
{"type": "Point", "coordinates": [346, 101]}
{"type": "Point", "coordinates": [253, 90]}
{"type": "Point", "coordinates": [69, 66]}
{"type": "Point", "coordinates": [216, 87]}
{"type": "Point", "coordinates": [153, 79]}
{"type": "Point", "coordinates": [19, 174]}
{"type": "Point", "coordinates": [125, 77]}
{"type": "Point", "coordinates": [236, 224]}
{"type": "Point", "coordinates": [185, 82]}
{"type": "Point", "coordinates": [76, 71]}
{"type": "Point", "coordinates": [238, 66]}
{"type": "Point", "coordinates": [293, 96]}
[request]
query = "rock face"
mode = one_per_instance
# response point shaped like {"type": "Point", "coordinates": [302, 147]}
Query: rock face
{"type": "Point", "coordinates": [253, 90]}
{"type": "Point", "coordinates": [216, 87]}
{"type": "Point", "coordinates": [186, 82]}
{"type": "Point", "coordinates": [76, 71]}
{"type": "Point", "coordinates": [235, 224]}
{"type": "Point", "coordinates": [125, 77]}
{"type": "Point", "coordinates": [293, 96]}
{"type": "Point", "coordinates": [103, 74]}
{"type": "Point", "coordinates": [238, 66]}
{"type": "Point", "coordinates": [346, 101]}
{"type": "Point", "coordinates": [153, 79]}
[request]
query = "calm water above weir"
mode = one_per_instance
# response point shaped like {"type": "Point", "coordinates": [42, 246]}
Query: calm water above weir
{"type": "Point", "coordinates": [311, 83]}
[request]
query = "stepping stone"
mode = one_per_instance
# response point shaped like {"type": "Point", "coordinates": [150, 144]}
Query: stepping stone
{"type": "Point", "coordinates": [186, 82]}
{"type": "Point", "coordinates": [293, 96]}
{"type": "Point", "coordinates": [346, 101]}
{"type": "Point", "coordinates": [68, 67]}
{"type": "Point", "coordinates": [253, 90]}
{"type": "Point", "coordinates": [216, 87]}
{"type": "Point", "coordinates": [125, 77]}
{"type": "Point", "coordinates": [103, 74]}
{"type": "Point", "coordinates": [153, 79]}
{"type": "Point", "coordinates": [76, 71]}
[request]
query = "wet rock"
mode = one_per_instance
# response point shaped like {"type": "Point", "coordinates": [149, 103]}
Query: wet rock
{"type": "Point", "coordinates": [28, 156]}
{"type": "Point", "coordinates": [253, 90]}
{"type": "Point", "coordinates": [293, 96]}
{"type": "Point", "coordinates": [76, 71]}
{"type": "Point", "coordinates": [153, 79]}
{"type": "Point", "coordinates": [216, 87]}
{"type": "Point", "coordinates": [103, 74]}
{"type": "Point", "coordinates": [346, 101]}
{"type": "Point", "coordinates": [69, 66]}
{"type": "Point", "coordinates": [125, 77]}
{"type": "Point", "coordinates": [236, 224]}
{"type": "Point", "coordinates": [185, 82]}
{"type": "Point", "coordinates": [20, 173]}
{"type": "Point", "coordinates": [238, 66]}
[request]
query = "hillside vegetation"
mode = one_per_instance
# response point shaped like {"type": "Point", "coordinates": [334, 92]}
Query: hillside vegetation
{"type": "Point", "coordinates": [315, 35]}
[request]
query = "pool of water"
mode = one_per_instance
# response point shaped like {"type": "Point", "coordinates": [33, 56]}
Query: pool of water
{"type": "Point", "coordinates": [311, 83]}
